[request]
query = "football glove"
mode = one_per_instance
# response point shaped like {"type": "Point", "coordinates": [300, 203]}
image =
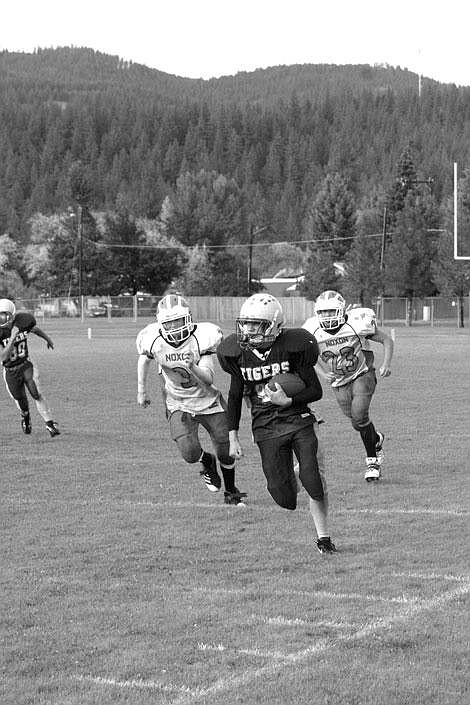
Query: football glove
{"type": "Point", "coordinates": [142, 399]}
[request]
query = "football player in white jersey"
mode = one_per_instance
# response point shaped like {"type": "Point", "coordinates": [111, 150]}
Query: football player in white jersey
{"type": "Point", "coordinates": [185, 352]}
{"type": "Point", "coordinates": [347, 362]}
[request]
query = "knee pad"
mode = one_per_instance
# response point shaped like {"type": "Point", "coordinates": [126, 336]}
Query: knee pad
{"type": "Point", "coordinates": [359, 424]}
{"type": "Point", "coordinates": [190, 451]}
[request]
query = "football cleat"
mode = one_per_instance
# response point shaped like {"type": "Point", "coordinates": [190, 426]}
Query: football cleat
{"type": "Point", "coordinates": [378, 448]}
{"type": "Point", "coordinates": [52, 428]}
{"type": "Point", "coordinates": [326, 545]}
{"type": "Point", "coordinates": [235, 497]}
{"type": "Point", "coordinates": [373, 470]}
{"type": "Point", "coordinates": [211, 477]}
{"type": "Point", "coordinates": [26, 424]}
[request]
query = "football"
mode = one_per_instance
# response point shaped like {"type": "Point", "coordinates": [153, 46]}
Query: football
{"type": "Point", "coordinates": [290, 383]}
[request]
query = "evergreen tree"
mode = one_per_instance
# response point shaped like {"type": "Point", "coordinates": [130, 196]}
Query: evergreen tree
{"type": "Point", "coordinates": [320, 273]}
{"type": "Point", "coordinates": [332, 217]}
{"type": "Point", "coordinates": [409, 256]}
{"type": "Point", "coordinates": [11, 283]}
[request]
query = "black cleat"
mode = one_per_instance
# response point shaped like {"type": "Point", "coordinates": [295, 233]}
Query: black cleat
{"type": "Point", "coordinates": [235, 497]}
{"type": "Point", "coordinates": [26, 424]}
{"type": "Point", "coordinates": [210, 476]}
{"type": "Point", "coordinates": [325, 545]}
{"type": "Point", "coordinates": [52, 428]}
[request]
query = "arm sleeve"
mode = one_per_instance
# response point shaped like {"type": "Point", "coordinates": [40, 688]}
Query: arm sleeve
{"type": "Point", "coordinates": [307, 359]}
{"type": "Point", "coordinates": [235, 393]}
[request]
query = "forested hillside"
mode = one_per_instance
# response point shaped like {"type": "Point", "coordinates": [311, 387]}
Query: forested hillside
{"type": "Point", "coordinates": [212, 163]}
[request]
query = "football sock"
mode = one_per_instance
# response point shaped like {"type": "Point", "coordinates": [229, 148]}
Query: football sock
{"type": "Point", "coordinates": [319, 512]}
{"type": "Point", "coordinates": [369, 438]}
{"type": "Point", "coordinates": [23, 406]}
{"type": "Point", "coordinates": [229, 478]}
{"type": "Point", "coordinates": [205, 459]}
{"type": "Point", "coordinates": [43, 409]}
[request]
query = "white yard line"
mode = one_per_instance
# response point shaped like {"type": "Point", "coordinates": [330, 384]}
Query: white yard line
{"type": "Point", "coordinates": [285, 621]}
{"type": "Point", "coordinates": [403, 599]}
{"type": "Point", "coordinates": [218, 504]}
{"type": "Point", "coordinates": [410, 612]}
{"type": "Point", "coordinates": [139, 684]}
{"type": "Point", "coordinates": [277, 661]}
{"type": "Point", "coordinates": [415, 510]}
{"type": "Point", "coordinates": [432, 576]}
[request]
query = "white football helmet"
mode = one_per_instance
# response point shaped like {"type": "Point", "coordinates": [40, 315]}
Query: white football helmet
{"type": "Point", "coordinates": [260, 321]}
{"type": "Point", "coordinates": [174, 318]}
{"type": "Point", "coordinates": [7, 312]}
{"type": "Point", "coordinates": [330, 308]}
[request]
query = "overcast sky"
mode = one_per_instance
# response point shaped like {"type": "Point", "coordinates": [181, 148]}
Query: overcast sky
{"type": "Point", "coordinates": [210, 38]}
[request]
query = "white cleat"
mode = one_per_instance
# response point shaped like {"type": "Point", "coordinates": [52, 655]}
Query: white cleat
{"type": "Point", "coordinates": [379, 448]}
{"type": "Point", "coordinates": [372, 473]}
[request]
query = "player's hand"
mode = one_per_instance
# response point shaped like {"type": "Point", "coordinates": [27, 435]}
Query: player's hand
{"type": "Point", "coordinates": [14, 332]}
{"type": "Point", "coordinates": [188, 358]}
{"type": "Point", "coordinates": [143, 400]}
{"type": "Point", "coordinates": [50, 345]}
{"type": "Point", "coordinates": [279, 397]}
{"type": "Point", "coordinates": [235, 449]}
{"type": "Point", "coordinates": [385, 371]}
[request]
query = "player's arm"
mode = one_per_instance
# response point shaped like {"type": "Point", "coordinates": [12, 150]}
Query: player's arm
{"type": "Point", "coordinates": [5, 354]}
{"type": "Point", "coordinates": [307, 358]}
{"type": "Point", "coordinates": [204, 369]}
{"type": "Point", "coordinates": [234, 403]}
{"type": "Point", "coordinates": [381, 337]}
{"type": "Point", "coordinates": [326, 375]}
{"type": "Point", "coordinates": [41, 334]}
{"type": "Point", "coordinates": [234, 412]}
{"type": "Point", "coordinates": [143, 366]}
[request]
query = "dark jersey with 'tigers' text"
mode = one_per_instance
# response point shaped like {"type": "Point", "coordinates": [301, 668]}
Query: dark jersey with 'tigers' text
{"type": "Point", "coordinates": [294, 350]}
{"type": "Point", "coordinates": [25, 322]}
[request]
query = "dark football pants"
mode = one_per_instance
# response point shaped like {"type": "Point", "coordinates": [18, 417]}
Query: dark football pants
{"type": "Point", "coordinates": [278, 466]}
{"type": "Point", "coordinates": [20, 377]}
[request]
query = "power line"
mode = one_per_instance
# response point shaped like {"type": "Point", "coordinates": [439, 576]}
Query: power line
{"type": "Point", "coordinates": [110, 245]}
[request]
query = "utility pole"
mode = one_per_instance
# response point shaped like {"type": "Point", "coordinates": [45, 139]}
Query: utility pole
{"type": "Point", "coordinates": [253, 234]}
{"type": "Point", "coordinates": [384, 233]}
{"type": "Point", "coordinates": [80, 252]}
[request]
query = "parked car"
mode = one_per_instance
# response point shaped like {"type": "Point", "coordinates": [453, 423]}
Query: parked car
{"type": "Point", "coordinates": [105, 309]}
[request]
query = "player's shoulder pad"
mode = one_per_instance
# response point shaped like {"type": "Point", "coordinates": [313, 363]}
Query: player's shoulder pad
{"type": "Point", "coordinates": [298, 339]}
{"type": "Point", "coordinates": [146, 337]}
{"type": "Point", "coordinates": [311, 324]}
{"type": "Point", "coordinates": [24, 321]}
{"type": "Point", "coordinates": [362, 320]}
{"type": "Point", "coordinates": [208, 336]}
{"type": "Point", "coordinates": [229, 346]}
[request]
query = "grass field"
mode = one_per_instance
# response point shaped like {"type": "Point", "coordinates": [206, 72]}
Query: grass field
{"type": "Point", "coordinates": [125, 581]}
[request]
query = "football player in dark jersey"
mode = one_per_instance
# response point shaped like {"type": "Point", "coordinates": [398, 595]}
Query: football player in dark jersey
{"type": "Point", "coordinates": [19, 372]}
{"type": "Point", "coordinates": [282, 426]}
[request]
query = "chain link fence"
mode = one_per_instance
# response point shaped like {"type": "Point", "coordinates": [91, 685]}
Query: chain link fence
{"type": "Point", "coordinates": [431, 311]}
